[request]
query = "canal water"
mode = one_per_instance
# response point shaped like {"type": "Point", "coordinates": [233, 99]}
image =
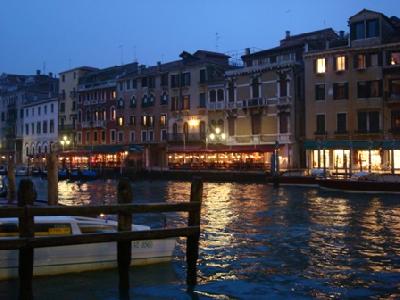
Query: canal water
{"type": "Point", "coordinates": [256, 243]}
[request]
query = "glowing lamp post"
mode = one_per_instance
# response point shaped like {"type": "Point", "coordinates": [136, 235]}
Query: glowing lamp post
{"type": "Point", "coordinates": [65, 142]}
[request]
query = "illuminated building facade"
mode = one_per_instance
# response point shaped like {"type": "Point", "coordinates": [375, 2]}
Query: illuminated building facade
{"type": "Point", "coordinates": [352, 98]}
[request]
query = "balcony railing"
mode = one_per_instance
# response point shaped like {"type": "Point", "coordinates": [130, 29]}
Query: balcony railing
{"type": "Point", "coordinates": [180, 137]}
{"type": "Point", "coordinates": [94, 124]}
{"type": "Point", "coordinates": [259, 139]}
{"type": "Point", "coordinates": [219, 105]}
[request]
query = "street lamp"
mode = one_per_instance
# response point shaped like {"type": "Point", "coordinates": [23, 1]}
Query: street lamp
{"type": "Point", "coordinates": [217, 136]}
{"type": "Point", "coordinates": [65, 141]}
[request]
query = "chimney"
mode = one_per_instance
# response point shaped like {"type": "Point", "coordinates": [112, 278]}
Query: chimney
{"type": "Point", "coordinates": [37, 72]}
{"type": "Point", "coordinates": [50, 74]}
{"type": "Point", "coordinates": [341, 34]}
{"type": "Point", "coordinates": [159, 65]}
{"type": "Point", "coordinates": [287, 32]}
{"type": "Point", "coordinates": [246, 51]}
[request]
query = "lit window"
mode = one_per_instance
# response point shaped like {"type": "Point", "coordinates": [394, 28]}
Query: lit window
{"type": "Point", "coordinates": [114, 94]}
{"type": "Point", "coordinates": [321, 68]}
{"type": "Point", "coordinates": [113, 113]}
{"type": "Point", "coordinates": [361, 62]}
{"type": "Point", "coordinates": [395, 58]}
{"type": "Point", "coordinates": [341, 63]}
{"type": "Point", "coordinates": [163, 120]}
{"type": "Point", "coordinates": [121, 121]}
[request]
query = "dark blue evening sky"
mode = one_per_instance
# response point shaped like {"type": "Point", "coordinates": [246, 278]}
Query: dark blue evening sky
{"type": "Point", "coordinates": [71, 33]}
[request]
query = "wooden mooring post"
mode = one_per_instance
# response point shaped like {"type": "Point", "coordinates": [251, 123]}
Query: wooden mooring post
{"type": "Point", "coordinates": [124, 248]}
{"type": "Point", "coordinates": [11, 185]}
{"type": "Point", "coordinates": [52, 178]}
{"type": "Point", "coordinates": [192, 244]}
{"type": "Point", "coordinates": [26, 196]}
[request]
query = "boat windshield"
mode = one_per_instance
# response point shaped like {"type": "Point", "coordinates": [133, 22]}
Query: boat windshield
{"type": "Point", "coordinates": [96, 228]}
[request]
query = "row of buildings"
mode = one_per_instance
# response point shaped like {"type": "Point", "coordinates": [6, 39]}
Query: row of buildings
{"type": "Point", "coordinates": [322, 99]}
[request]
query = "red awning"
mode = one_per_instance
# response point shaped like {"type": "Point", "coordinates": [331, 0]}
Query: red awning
{"type": "Point", "coordinates": [220, 149]}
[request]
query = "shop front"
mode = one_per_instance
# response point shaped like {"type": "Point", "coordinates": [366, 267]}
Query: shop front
{"type": "Point", "coordinates": [223, 157]}
{"type": "Point", "coordinates": [353, 156]}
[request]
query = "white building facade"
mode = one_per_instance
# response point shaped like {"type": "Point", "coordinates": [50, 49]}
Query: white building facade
{"type": "Point", "coordinates": [40, 128]}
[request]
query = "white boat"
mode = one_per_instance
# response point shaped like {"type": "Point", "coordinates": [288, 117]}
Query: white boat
{"type": "Point", "coordinates": [21, 171]}
{"type": "Point", "coordinates": [78, 258]}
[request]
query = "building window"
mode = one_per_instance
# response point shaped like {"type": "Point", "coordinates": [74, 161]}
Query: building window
{"type": "Point", "coordinates": [360, 61]}
{"type": "Point", "coordinates": [114, 95]}
{"type": "Point", "coordinates": [320, 65]}
{"type": "Point", "coordinates": [132, 136]}
{"type": "Point", "coordinates": [152, 82]}
{"type": "Point", "coordinates": [33, 128]}
{"type": "Point", "coordinates": [202, 130]}
{"type": "Point", "coordinates": [120, 103]}
{"type": "Point", "coordinates": [45, 109]}
{"type": "Point", "coordinates": [220, 95]}
{"type": "Point", "coordinates": [120, 121]}
{"type": "Point", "coordinates": [133, 102]}
{"type": "Point", "coordinates": [103, 136]}
{"type": "Point", "coordinates": [175, 81]}
{"type": "Point", "coordinates": [341, 123]}
{"type": "Point", "coordinates": [202, 98]}
{"type": "Point", "coordinates": [87, 137]}
{"type": "Point", "coordinates": [112, 113]}
{"type": "Point", "coordinates": [38, 127]}
{"type": "Point", "coordinates": [340, 63]}
{"type": "Point", "coordinates": [51, 107]}
{"type": "Point", "coordinates": [150, 121]}
{"type": "Point", "coordinates": [112, 135]}
{"type": "Point", "coordinates": [395, 121]}
{"type": "Point", "coordinates": [151, 135]}
{"type": "Point", "coordinates": [164, 99]}
{"type": "Point", "coordinates": [26, 129]}
{"type": "Point", "coordinates": [44, 126]}
{"type": "Point", "coordinates": [203, 76]}
{"type": "Point", "coordinates": [372, 28]}
{"type": "Point", "coordinates": [164, 80]}
{"type": "Point", "coordinates": [368, 121]}
{"type": "Point", "coordinates": [144, 82]}
{"type": "Point", "coordinates": [394, 88]}
{"type": "Point", "coordinates": [128, 84]}
{"type": "Point", "coordinates": [283, 123]}
{"type": "Point", "coordinates": [120, 137]}
{"type": "Point", "coordinates": [395, 58]}
{"type": "Point", "coordinates": [320, 91]}
{"type": "Point", "coordinates": [231, 92]}
{"type": "Point", "coordinates": [186, 130]}
{"type": "Point", "coordinates": [79, 138]}
{"type": "Point", "coordinates": [163, 120]}
{"type": "Point", "coordinates": [121, 86]}
{"type": "Point", "coordinates": [134, 83]}
{"type": "Point", "coordinates": [213, 96]}
{"type": "Point", "coordinates": [186, 102]}
{"type": "Point", "coordinates": [62, 107]}
{"type": "Point", "coordinates": [357, 30]}
{"type": "Point", "coordinates": [186, 79]}
{"type": "Point", "coordinates": [340, 91]}
{"type": "Point", "coordinates": [95, 136]}
{"type": "Point", "coordinates": [320, 124]}
{"type": "Point", "coordinates": [132, 120]}
{"type": "Point", "coordinates": [369, 89]}
{"type": "Point", "coordinates": [163, 136]}
{"type": "Point", "coordinates": [283, 86]}
{"type": "Point", "coordinates": [144, 136]}
{"type": "Point", "coordinates": [255, 88]}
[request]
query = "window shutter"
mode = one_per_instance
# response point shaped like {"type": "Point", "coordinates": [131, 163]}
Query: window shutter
{"type": "Point", "coordinates": [334, 63]}
{"type": "Point", "coordinates": [315, 66]}
{"type": "Point", "coordinates": [346, 90]}
{"type": "Point", "coordinates": [355, 61]}
{"type": "Point", "coordinates": [326, 65]}
{"type": "Point", "coordinates": [346, 63]}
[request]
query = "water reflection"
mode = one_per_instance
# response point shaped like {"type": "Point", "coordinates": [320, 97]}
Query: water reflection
{"type": "Point", "coordinates": [284, 243]}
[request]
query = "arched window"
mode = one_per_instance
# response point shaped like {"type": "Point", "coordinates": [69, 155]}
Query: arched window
{"type": "Point", "coordinates": [120, 103]}
{"type": "Point", "coordinates": [254, 88]}
{"type": "Point", "coordinates": [104, 114]}
{"type": "Point", "coordinates": [231, 91]}
{"type": "Point", "coordinates": [164, 98]}
{"type": "Point", "coordinates": [33, 150]}
{"type": "Point", "coordinates": [39, 149]}
{"type": "Point", "coordinates": [133, 102]}
{"type": "Point", "coordinates": [213, 96]}
{"type": "Point", "coordinates": [220, 95]}
{"type": "Point", "coordinates": [45, 149]}
{"type": "Point", "coordinates": [186, 130]}
{"type": "Point", "coordinates": [26, 150]}
{"type": "Point", "coordinates": [144, 100]}
{"type": "Point", "coordinates": [151, 99]}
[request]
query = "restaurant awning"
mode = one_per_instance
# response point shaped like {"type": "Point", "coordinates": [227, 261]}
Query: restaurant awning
{"type": "Point", "coordinates": [220, 149]}
{"type": "Point", "coordinates": [357, 145]}
{"type": "Point", "coordinates": [103, 149]}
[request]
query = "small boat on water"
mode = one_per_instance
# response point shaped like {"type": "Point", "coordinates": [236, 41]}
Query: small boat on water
{"type": "Point", "coordinates": [298, 177]}
{"type": "Point", "coordinates": [83, 174]}
{"type": "Point", "coordinates": [363, 182]}
{"type": "Point", "coordinates": [78, 258]}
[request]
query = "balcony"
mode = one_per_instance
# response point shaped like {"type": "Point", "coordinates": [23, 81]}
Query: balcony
{"type": "Point", "coordinates": [219, 105]}
{"type": "Point", "coordinates": [259, 139]}
{"type": "Point", "coordinates": [94, 124]}
{"type": "Point", "coordinates": [180, 137]}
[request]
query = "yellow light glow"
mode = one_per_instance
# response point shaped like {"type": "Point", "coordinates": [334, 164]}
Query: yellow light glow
{"type": "Point", "coordinates": [212, 136]}
{"type": "Point", "coordinates": [223, 136]}
{"type": "Point", "coordinates": [341, 63]}
{"type": "Point", "coordinates": [321, 68]}
{"type": "Point", "coordinates": [217, 130]}
{"type": "Point", "coordinates": [194, 122]}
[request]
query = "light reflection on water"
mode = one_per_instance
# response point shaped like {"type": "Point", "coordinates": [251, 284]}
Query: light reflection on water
{"type": "Point", "coordinates": [258, 241]}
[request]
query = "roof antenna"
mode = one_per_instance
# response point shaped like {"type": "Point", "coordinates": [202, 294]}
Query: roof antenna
{"type": "Point", "coordinates": [44, 67]}
{"type": "Point", "coordinates": [217, 37]}
{"type": "Point", "coordinates": [121, 47]}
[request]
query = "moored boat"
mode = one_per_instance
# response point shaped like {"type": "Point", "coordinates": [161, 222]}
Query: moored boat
{"type": "Point", "coordinates": [363, 183]}
{"type": "Point", "coordinates": [294, 177]}
{"type": "Point", "coordinates": [78, 258]}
